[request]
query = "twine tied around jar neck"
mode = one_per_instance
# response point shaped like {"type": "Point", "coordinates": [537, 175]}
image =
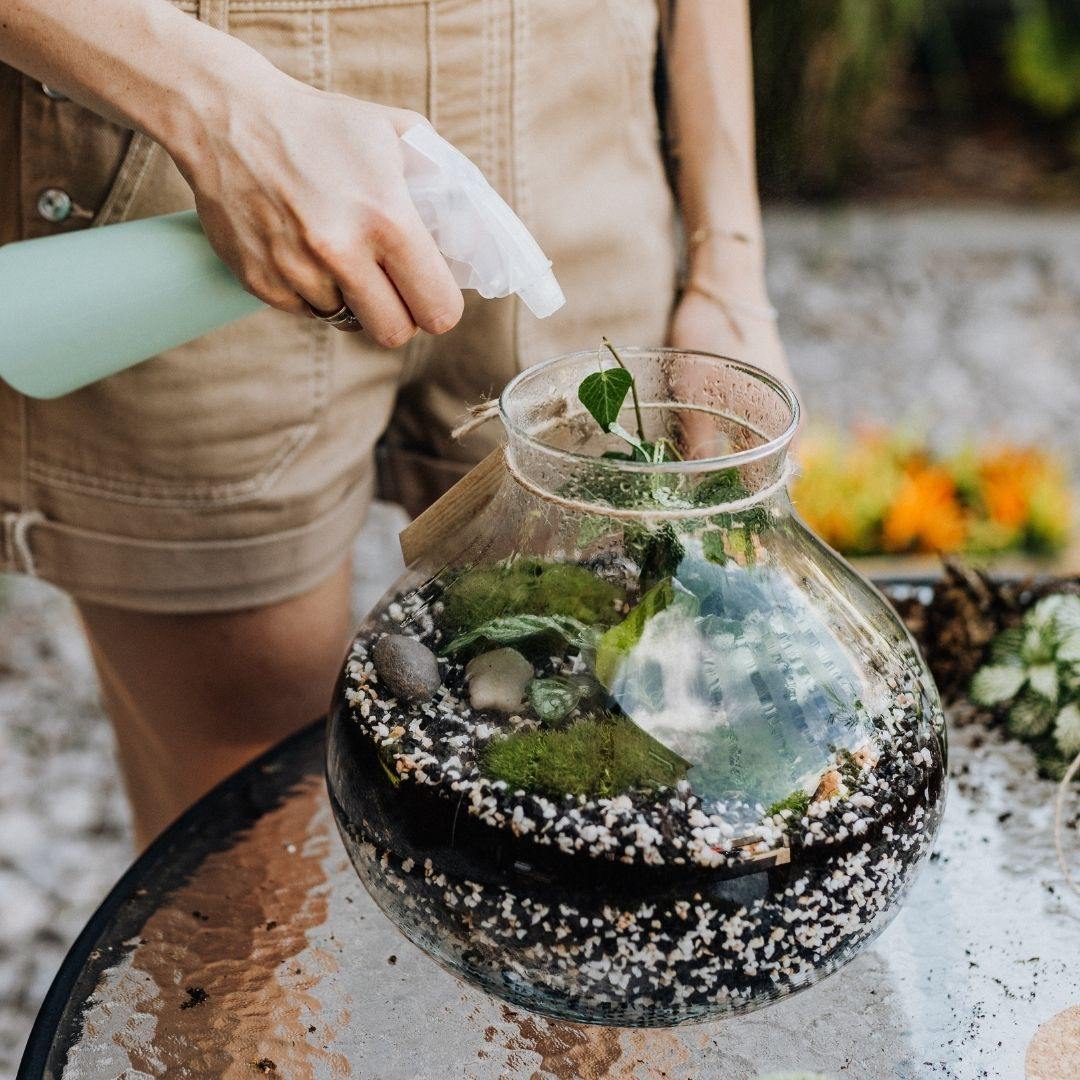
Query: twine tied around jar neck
{"type": "Point", "coordinates": [479, 414]}
{"type": "Point", "coordinates": [482, 412]}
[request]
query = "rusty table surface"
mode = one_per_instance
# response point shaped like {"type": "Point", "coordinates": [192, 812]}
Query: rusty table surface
{"type": "Point", "coordinates": [242, 944]}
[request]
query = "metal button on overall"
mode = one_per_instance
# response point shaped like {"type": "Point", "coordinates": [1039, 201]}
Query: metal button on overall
{"type": "Point", "coordinates": [54, 204]}
{"type": "Point", "coordinates": [54, 95]}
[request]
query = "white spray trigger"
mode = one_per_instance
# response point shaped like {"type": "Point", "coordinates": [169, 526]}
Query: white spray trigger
{"type": "Point", "coordinates": [486, 244]}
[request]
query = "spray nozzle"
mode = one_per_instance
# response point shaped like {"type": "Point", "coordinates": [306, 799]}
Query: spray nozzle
{"type": "Point", "coordinates": [484, 242]}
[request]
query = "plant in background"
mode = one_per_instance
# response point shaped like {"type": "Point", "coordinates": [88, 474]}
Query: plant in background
{"type": "Point", "coordinates": [879, 492]}
{"type": "Point", "coordinates": [826, 75]}
{"type": "Point", "coordinates": [1043, 51]}
{"type": "Point", "coordinates": [1034, 673]}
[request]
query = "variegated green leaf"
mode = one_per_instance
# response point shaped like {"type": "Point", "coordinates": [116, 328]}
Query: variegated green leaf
{"type": "Point", "coordinates": [1040, 641]}
{"type": "Point", "coordinates": [1067, 730]}
{"type": "Point", "coordinates": [1068, 649]}
{"type": "Point", "coordinates": [1030, 717]}
{"type": "Point", "coordinates": [1006, 646]}
{"type": "Point", "coordinates": [997, 683]}
{"type": "Point", "coordinates": [1043, 679]}
{"type": "Point", "coordinates": [1044, 612]}
{"type": "Point", "coordinates": [1069, 678]}
{"type": "Point", "coordinates": [1065, 612]}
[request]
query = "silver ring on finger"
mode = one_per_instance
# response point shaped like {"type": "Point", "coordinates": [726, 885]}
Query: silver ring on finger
{"type": "Point", "coordinates": [342, 319]}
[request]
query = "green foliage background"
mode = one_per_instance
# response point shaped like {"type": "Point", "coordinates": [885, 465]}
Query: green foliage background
{"type": "Point", "coordinates": [830, 76]}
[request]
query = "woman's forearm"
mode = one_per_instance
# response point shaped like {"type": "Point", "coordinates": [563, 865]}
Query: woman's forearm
{"type": "Point", "coordinates": [141, 63]}
{"type": "Point", "coordinates": [713, 113]}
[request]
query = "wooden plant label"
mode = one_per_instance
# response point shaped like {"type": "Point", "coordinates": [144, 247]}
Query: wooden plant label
{"type": "Point", "coordinates": [452, 511]}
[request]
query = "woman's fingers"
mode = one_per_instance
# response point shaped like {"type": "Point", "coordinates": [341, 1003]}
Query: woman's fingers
{"type": "Point", "coordinates": [315, 287]}
{"type": "Point", "coordinates": [393, 276]}
{"type": "Point", "coordinates": [381, 311]}
{"type": "Point", "coordinates": [421, 276]}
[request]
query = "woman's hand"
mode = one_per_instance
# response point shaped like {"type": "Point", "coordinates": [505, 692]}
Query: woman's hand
{"type": "Point", "coordinates": [301, 192]}
{"type": "Point", "coordinates": [302, 195]}
{"type": "Point", "coordinates": [724, 309]}
{"type": "Point", "coordinates": [701, 322]}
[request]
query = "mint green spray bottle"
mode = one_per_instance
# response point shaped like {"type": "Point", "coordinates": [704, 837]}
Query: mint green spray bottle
{"type": "Point", "coordinates": [77, 307]}
{"type": "Point", "coordinates": [81, 306]}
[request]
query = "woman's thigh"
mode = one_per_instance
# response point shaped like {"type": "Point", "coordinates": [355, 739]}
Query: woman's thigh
{"type": "Point", "coordinates": [194, 697]}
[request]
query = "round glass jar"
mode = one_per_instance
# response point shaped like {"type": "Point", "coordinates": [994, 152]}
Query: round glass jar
{"type": "Point", "coordinates": [634, 747]}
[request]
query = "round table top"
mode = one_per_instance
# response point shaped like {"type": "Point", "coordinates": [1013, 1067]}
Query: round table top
{"type": "Point", "coordinates": [242, 943]}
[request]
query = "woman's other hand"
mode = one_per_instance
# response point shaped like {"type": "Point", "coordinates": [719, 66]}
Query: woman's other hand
{"type": "Point", "coordinates": [744, 330]}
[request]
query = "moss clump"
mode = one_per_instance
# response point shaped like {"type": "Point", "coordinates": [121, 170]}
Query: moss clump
{"type": "Point", "coordinates": [529, 587]}
{"type": "Point", "coordinates": [597, 757]}
{"type": "Point", "coordinates": [798, 802]}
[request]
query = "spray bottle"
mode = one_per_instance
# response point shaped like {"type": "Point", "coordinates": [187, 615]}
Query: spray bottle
{"type": "Point", "coordinates": [84, 305]}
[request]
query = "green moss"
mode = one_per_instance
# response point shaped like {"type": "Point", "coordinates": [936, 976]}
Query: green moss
{"type": "Point", "coordinates": [528, 587]}
{"type": "Point", "coordinates": [598, 757]}
{"type": "Point", "coordinates": [798, 802]}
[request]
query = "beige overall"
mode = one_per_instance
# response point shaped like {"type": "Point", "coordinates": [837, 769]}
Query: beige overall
{"type": "Point", "coordinates": [236, 470]}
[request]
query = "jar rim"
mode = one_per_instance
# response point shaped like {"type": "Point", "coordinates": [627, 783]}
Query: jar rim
{"type": "Point", "coordinates": [766, 449]}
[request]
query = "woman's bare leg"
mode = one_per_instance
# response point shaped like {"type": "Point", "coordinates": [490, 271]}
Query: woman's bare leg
{"type": "Point", "coordinates": [193, 697]}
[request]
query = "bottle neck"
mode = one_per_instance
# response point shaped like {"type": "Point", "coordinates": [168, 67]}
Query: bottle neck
{"type": "Point", "coordinates": [670, 490]}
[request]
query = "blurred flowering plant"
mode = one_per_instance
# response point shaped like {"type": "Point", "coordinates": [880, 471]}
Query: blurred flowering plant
{"type": "Point", "coordinates": [1034, 671]}
{"type": "Point", "coordinates": [879, 492]}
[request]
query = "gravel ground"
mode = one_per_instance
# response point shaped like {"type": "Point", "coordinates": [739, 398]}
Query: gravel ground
{"type": "Point", "coordinates": [965, 323]}
{"type": "Point", "coordinates": [959, 322]}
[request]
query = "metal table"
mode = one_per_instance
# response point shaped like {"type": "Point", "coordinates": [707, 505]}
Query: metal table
{"type": "Point", "coordinates": [241, 943]}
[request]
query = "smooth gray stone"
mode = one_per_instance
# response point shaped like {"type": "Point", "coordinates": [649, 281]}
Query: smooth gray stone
{"type": "Point", "coordinates": [407, 668]}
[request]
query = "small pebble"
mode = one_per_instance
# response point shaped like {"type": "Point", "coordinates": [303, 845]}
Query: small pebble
{"type": "Point", "coordinates": [407, 667]}
{"type": "Point", "coordinates": [497, 680]}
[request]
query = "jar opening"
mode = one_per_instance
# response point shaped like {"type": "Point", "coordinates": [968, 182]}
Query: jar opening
{"type": "Point", "coordinates": [716, 414]}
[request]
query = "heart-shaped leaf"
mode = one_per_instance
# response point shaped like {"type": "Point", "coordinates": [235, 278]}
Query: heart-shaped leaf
{"type": "Point", "coordinates": [603, 394]}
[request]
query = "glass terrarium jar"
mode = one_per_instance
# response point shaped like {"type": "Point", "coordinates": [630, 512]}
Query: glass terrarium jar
{"type": "Point", "coordinates": [633, 746]}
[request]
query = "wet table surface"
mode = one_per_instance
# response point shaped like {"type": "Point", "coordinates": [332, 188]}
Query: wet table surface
{"type": "Point", "coordinates": [242, 944]}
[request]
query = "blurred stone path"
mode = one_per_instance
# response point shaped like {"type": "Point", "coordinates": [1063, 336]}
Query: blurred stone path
{"type": "Point", "coordinates": [964, 323]}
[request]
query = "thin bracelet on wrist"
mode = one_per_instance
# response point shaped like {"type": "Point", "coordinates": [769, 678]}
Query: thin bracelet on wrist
{"type": "Point", "coordinates": [698, 236]}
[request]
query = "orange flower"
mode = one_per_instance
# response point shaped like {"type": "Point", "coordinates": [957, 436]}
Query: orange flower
{"type": "Point", "coordinates": [925, 515]}
{"type": "Point", "coordinates": [1008, 478]}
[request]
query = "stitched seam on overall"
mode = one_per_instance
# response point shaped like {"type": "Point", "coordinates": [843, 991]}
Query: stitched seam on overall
{"type": "Point", "coordinates": [319, 28]}
{"type": "Point", "coordinates": [7, 560]}
{"type": "Point", "coordinates": [432, 63]}
{"type": "Point", "coordinates": [519, 43]}
{"type": "Point", "coordinates": [487, 158]}
{"type": "Point", "coordinates": [140, 153]}
{"type": "Point", "coordinates": [319, 382]}
{"type": "Point", "coordinates": [178, 494]}
{"type": "Point", "coordinates": [626, 32]}
{"type": "Point", "coordinates": [215, 13]}
{"type": "Point", "coordinates": [319, 5]}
